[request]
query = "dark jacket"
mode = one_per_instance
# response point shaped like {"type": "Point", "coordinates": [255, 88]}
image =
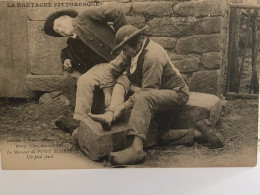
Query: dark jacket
{"type": "Point", "coordinates": [82, 57]}
{"type": "Point", "coordinates": [95, 37]}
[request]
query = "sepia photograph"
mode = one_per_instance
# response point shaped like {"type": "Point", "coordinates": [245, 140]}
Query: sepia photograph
{"type": "Point", "coordinates": [129, 84]}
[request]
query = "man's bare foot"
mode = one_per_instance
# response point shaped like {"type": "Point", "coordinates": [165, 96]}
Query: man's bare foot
{"type": "Point", "coordinates": [104, 119]}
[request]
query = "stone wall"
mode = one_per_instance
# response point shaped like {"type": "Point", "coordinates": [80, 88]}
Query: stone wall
{"type": "Point", "coordinates": [194, 33]}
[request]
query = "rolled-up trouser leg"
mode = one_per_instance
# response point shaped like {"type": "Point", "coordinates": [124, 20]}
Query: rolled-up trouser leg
{"type": "Point", "coordinates": [146, 102]}
{"type": "Point", "coordinates": [85, 87]}
{"type": "Point", "coordinates": [124, 81]}
{"type": "Point", "coordinates": [120, 90]}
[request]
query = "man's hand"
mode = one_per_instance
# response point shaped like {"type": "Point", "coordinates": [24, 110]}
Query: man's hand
{"type": "Point", "coordinates": [75, 74]}
{"type": "Point", "coordinates": [107, 99]}
{"type": "Point", "coordinates": [134, 88]}
{"type": "Point", "coordinates": [67, 64]}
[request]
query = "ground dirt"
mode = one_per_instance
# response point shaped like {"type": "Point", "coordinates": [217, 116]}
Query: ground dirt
{"type": "Point", "coordinates": [29, 119]}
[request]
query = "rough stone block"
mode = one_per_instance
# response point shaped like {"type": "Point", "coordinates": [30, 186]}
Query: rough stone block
{"type": "Point", "coordinates": [44, 51]}
{"type": "Point", "coordinates": [48, 82]}
{"type": "Point", "coordinates": [163, 0]}
{"type": "Point", "coordinates": [177, 26]}
{"type": "Point", "coordinates": [200, 106]}
{"type": "Point", "coordinates": [211, 60]}
{"type": "Point", "coordinates": [162, 8]}
{"type": "Point", "coordinates": [192, 55]}
{"type": "Point", "coordinates": [200, 8]}
{"type": "Point", "coordinates": [206, 82]}
{"type": "Point", "coordinates": [138, 21]}
{"type": "Point", "coordinates": [166, 42]}
{"type": "Point", "coordinates": [199, 44]}
{"type": "Point", "coordinates": [185, 77]}
{"type": "Point", "coordinates": [175, 56]}
{"type": "Point", "coordinates": [54, 97]}
{"type": "Point", "coordinates": [36, 13]}
{"type": "Point", "coordinates": [125, 7]}
{"type": "Point", "coordinates": [124, 1]}
{"type": "Point", "coordinates": [187, 65]}
{"type": "Point", "coordinates": [97, 143]}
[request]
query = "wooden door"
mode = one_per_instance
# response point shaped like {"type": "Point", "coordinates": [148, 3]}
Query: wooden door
{"type": "Point", "coordinates": [13, 51]}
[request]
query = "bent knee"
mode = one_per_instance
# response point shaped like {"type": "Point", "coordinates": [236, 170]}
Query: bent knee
{"type": "Point", "coordinates": [185, 97]}
{"type": "Point", "coordinates": [124, 81]}
{"type": "Point", "coordinates": [139, 97]}
{"type": "Point", "coordinates": [86, 79]}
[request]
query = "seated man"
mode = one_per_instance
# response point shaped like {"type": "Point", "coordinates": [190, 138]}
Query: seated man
{"type": "Point", "coordinates": [90, 42]}
{"type": "Point", "coordinates": [144, 68]}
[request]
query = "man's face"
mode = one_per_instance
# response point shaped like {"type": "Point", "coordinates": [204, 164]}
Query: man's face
{"type": "Point", "coordinates": [63, 26]}
{"type": "Point", "coordinates": [129, 50]}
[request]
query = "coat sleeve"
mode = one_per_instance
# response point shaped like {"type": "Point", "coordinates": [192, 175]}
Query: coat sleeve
{"type": "Point", "coordinates": [66, 54]}
{"type": "Point", "coordinates": [113, 70]}
{"type": "Point", "coordinates": [152, 72]}
{"type": "Point", "coordinates": [106, 14]}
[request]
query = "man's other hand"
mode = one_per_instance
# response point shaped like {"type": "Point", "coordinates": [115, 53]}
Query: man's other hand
{"type": "Point", "coordinates": [75, 74]}
{"type": "Point", "coordinates": [67, 64]}
{"type": "Point", "coordinates": [107, 99]}
{"type": "Point", "coordinates": [134, 89]}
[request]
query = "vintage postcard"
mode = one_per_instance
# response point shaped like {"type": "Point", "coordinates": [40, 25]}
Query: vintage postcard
{"type": "Point", "coordinates": [129, 83]}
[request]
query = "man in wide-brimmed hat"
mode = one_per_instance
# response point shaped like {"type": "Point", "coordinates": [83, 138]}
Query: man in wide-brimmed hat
{"type": "Point", "coordinates": [145, 69]}
{"type": "Point", "coordinates": [91, 40]}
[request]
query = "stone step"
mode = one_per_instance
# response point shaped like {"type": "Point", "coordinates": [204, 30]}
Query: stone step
{"type": "Point", "coordinates": [96, 143]}
{"type": "Point", "coordinates": [49, 83]}
{"type": "Point", "coordinates": [200, 106]}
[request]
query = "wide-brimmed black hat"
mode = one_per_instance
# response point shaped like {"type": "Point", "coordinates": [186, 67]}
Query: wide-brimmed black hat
{"type": "Point", "coordinates": [126, 33]}
{"type": "Point", "coordinates": [48, 26]}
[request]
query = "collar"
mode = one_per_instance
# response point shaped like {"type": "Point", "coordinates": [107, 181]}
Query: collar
{"type": "Point", "coordinates": [74, 35]}
{"type": "Point", "coordinates": [135, 59]}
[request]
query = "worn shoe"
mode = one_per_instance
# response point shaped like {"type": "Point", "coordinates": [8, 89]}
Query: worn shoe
{"type": "Point", "coordinates": [210, 135]}
{"type": "Point", "coordinates": [128, 156]}
{"type": "Point", "coordinates": [175, 137]}
{"type": "Point", "coordinates": [66, 124]}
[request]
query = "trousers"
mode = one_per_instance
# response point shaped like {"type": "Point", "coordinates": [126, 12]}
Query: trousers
{"type": "Point", "coordinates": [145, 103]}
{"type": "Point", "coordinates": [87, 84]}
